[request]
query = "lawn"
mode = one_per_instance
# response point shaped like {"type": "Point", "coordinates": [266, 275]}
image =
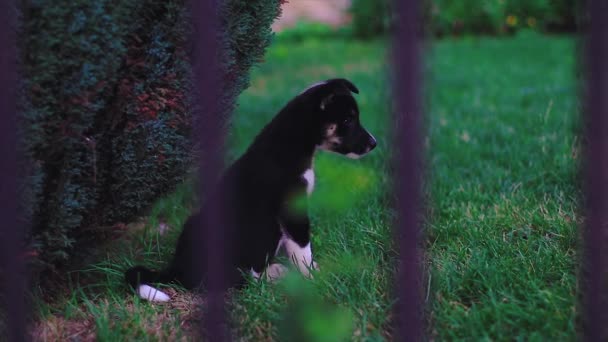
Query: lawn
{"type": "Point", "coordinates": [503, 161]}
{"type": "Point", "coordinates": [501, 235]}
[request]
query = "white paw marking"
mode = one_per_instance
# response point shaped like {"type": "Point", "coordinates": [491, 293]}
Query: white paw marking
{"type": "Point", "coordinates": [149, 293]}
{"type": "Point", "coordinates": [272, 272]}
{"type": "Point", "coordinates": [309, 177]}
{"type": "Point", "coordinates": [275, 271]}
{"type": "Point", "coordinates": [301, 257]}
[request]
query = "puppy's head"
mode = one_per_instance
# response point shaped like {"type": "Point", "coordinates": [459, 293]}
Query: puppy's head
{"type": "Point", "coordinates": [338, 117]}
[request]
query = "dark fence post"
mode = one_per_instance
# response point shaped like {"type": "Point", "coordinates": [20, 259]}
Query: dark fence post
{"type": "Point", "coordinates": [12, 271]}
{"type": "Point", "coordinates": [595, 268]}
{"type": "Point", "coordinates": [211, 137]}
{"type": "Point", "coordinates": [406, 87]}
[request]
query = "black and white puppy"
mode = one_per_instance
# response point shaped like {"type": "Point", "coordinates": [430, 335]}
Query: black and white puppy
{"type": "Point", "coordinates": [259, 188]}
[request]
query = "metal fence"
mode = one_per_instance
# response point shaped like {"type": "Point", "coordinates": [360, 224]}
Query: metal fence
{"type": "Point", "coordinates": [408, 324]}
{"type": "Point", "coordinates": [594, 274]}
{"type": "Point", "coordinates": [209, 84]}
{"type": "Point", "coordinates": [12, 272]}
{"type": "Point", "coordinates": [408, 314]}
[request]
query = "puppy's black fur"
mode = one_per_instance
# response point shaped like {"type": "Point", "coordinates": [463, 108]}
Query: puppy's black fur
{"type": "Point", "coordinates": [257, 188]}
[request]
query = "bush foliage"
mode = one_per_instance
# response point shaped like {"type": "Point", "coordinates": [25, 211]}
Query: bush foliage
{"type": "Point", "coordinates": [105, 108]}
{"type": "Point", "coordinates": [500, 16]}
{"type": "Point", "coordinates": [370, 17]}
{"type": "Point", "coordinates": [373, 17]}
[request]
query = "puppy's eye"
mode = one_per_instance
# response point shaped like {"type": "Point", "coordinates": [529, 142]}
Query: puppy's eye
{"type": "Point", "coordinates": [349, 119]}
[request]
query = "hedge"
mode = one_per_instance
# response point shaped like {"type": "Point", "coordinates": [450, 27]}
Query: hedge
{"type": "Point", "coordinates": [448, 17]}
{"type": "Point", "coordinates": [501, 16]}
{"type": "Point", "coordinates": [106, 113]}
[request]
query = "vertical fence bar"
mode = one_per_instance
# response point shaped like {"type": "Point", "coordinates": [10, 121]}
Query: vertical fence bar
{"type": "Point", "coordinates": [595, 268]}
{"type": "Point", "coordinates": [406, 84]}
{"type": "Point", "coordinates": [208, 85]}
{"type": "Point", "coordinates": [11, 236]}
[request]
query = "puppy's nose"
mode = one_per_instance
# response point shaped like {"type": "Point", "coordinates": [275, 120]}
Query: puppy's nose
{"type": "Point", "coordinates": [372, 142]}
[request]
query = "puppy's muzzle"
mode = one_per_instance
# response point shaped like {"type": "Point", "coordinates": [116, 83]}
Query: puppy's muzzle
{"type": "Point", "coordinates": [369, 144]}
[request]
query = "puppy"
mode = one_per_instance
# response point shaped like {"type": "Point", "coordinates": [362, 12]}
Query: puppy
{"type": "Point", "coordinates": [264, 192]}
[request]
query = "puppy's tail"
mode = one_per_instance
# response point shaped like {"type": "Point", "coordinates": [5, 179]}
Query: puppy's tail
{"type": "Point", "coordinates": [139, 278]}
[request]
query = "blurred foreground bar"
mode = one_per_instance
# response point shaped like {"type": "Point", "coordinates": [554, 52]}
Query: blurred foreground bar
{"type": "Point", "coordinates": [12, 271]}
{"type": "Point", "coordinates": [211, 137]}
{"type": "Point", "coordinates": [407, 83]}
{"type": "Point", "coordinates": [595, 267]}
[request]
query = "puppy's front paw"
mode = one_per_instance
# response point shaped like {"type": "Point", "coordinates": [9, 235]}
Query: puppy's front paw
{"type": "Point", "coordinates": [309, 268]}
{"type": "Point", "coordinates": [301, 257]}
{"type": "Point", "coordinates": [275, 272]}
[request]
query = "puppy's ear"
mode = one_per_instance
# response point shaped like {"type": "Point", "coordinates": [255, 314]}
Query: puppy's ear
{"type": "Point", "coordinates": [336, 86]}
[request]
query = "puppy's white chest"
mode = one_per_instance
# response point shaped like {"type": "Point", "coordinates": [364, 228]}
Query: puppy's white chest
{"type": "Point", "coordinates": [309, 178]}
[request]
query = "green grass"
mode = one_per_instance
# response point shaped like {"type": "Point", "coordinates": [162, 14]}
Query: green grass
{"type": "Point", "coordinates": [501, 231]}
{"type": "Point", "coordinates": [503, 158]}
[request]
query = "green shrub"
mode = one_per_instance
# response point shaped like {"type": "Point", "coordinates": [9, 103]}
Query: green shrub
{"type": "Point", "coordinates": [466, 16]}
{"type": "Point", "coordinates": [567, 15]}
{"type": "Point", "coordinates": [373, 17]}
{"type": "Point", "coordinates": [304, 30]}
{"type": "Point", "coordinates": [105, 108]}
{"type": "Point", "coordinates": [499, 16]}
{"type": "Point", "coordinates": [370, 17]}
